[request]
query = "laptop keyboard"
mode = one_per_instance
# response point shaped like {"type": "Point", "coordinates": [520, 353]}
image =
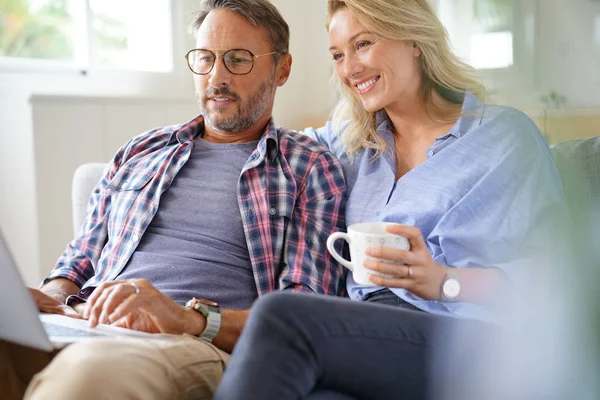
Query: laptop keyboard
{"type": "Point", "coordinates": [60, 330]}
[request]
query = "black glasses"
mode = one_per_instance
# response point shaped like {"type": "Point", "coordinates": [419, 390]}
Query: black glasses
{"type": "Point", "coordinates": [237, 61]}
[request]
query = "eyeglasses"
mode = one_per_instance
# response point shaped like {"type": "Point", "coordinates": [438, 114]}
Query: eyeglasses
{"type": "Point", "coordinates": [237, 61]}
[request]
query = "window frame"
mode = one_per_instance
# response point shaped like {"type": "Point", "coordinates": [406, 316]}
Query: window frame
{"type": "Point", "coordinates": [83, 62]}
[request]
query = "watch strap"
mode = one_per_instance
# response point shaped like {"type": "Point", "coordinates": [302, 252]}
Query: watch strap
{"type": "Point", "coordinates": [212, 313]}
{"type": "Point", "coordinates": [213, 324]}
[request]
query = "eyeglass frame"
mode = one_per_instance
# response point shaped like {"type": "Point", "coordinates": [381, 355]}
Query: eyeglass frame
{"type": "Point", "coordinates": [223, 58]}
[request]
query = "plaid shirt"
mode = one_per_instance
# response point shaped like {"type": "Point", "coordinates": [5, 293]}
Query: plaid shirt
{"type": "Point", "coordinates": [291, 195]}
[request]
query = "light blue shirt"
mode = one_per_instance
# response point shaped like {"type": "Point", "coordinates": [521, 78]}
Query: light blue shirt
{"type": "Point", "coordinates": [488, 195]}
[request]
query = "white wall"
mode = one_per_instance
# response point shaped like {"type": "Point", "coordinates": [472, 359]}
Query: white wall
{"type": "Point", "coordinates": [18, 214]}
{"type": "Point", "coordinates": [51, 122]}
{"type": "Point", "coordinates": [556, 47]}
{"type": "Point", "coordinates": [570, 50]}
{"type": "Point", "coordinates": [566, 58]}
{"type": "Point", "coordinates": [307, 97]}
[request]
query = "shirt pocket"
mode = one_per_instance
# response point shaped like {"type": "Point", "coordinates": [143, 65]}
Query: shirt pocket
{"type": "Point", "coordinates": [129, 188]}
{"type": "Point", "coordinates": [281, 214]}
{"type": "Point", "coordinates": [131, 177]}
{"type": "Point", "coordinates": [281, 207]}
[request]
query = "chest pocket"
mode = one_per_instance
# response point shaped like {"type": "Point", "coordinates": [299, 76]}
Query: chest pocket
{"type": "Point", "coordinates": [126, 186]}
{"type": "Point", "coordinates": [131, 177]}
{"type": "Point", "coordinates": [281, 210]}
{"type": "Point", "coordinates": [281, 207]}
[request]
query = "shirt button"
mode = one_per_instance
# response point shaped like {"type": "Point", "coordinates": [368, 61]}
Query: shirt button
{"type": "Point", "coordinates": [431, 153]}
{"type": "Point", "coordinates": [135, 238]}
{"type": "Point", "coordinates": [273, 211]}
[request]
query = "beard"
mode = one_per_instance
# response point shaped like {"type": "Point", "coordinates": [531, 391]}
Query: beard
{"type": "Point", "coordinates": [248, 113]}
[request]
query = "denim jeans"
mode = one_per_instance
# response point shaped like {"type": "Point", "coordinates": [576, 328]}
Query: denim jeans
{"type": "Point", "coordinates": [300, 346]}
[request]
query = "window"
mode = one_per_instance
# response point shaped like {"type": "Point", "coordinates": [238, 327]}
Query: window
{"type": "Point", "coordinates": [87, 34]}
{"type": "Point", "coordinates": [480, 30]}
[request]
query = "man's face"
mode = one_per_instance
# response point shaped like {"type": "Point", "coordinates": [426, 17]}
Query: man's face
{"type": "Point", "coordinates": [235, 103]}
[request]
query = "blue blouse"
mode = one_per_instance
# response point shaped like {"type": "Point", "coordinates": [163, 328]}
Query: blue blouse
{"type": "Point", "coordinates": [488, 195]}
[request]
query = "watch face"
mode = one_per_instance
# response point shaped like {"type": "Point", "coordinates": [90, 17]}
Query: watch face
{"type": "Point", "coordinates": [451, 288]}
{"type": "Point", "coordinates": [207, 302]}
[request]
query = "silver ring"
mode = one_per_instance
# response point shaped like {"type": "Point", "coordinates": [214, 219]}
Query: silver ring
{"type": "Point", "coordinates": [409, 272]}
{"type": "Point", "coordinates": [137, 288]}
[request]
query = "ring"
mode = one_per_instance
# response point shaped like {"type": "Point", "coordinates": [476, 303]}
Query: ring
{"type": "Point", "coordinates": [137, 288]}
{"type": "Point", "coordinates": [409, 272]}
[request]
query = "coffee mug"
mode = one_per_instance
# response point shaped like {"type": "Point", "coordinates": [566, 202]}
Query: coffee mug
{"type": "Point", "coordinates": [360, 237]}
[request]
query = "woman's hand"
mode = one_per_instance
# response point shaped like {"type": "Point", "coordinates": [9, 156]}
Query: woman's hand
{"type": "Point", "coordinates": [419, 274]}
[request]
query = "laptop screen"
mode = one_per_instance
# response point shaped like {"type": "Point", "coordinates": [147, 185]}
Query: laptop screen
{"type": "Point", "coordinates": [19, 317]}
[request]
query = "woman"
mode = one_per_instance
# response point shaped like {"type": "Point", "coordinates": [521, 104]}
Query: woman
{"type": "Point", "coordinates": [472, 186]}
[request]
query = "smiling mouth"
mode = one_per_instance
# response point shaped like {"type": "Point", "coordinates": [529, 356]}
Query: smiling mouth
{"type": "Point", "coordinates": [364, 86]}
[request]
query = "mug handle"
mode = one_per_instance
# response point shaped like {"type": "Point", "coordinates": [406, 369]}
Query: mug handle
{"type": "Point", "coordinates": [330, 246]}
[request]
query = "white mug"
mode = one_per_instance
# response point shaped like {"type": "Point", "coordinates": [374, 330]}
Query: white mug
{"type": "Point", "coordinates": [359, 238]}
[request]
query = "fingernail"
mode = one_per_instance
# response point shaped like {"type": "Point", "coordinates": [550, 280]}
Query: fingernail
{"type": "Point", "coordinates": [368, 251]}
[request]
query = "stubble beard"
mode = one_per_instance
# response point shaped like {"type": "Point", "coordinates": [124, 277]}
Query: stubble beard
{"type": "Point", "coordinates": [248, 112]}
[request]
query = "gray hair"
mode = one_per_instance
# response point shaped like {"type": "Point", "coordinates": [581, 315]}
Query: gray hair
{"type": "Point", "coordinates": [260, 13]}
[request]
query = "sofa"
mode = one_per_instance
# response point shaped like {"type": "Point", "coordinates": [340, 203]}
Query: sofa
{"type": "Point", "coordinates": [85, 178]}
{"type": "Point", "coordinates": [578, 163]}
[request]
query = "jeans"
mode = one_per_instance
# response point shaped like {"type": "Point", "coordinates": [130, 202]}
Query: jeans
{"type": "Point", "coordinates": [302, 346]}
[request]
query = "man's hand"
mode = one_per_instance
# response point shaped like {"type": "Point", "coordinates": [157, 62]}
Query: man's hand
{"type": "Point", "coordinates": [139, 321]}
{"type": "Point", "coordinates": [136, 304]}
{"type": "Point", "coordinates": [50, 305]}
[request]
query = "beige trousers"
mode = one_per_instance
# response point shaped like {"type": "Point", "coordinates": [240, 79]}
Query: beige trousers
{"type": "Point", "coordinates": [176, 367]}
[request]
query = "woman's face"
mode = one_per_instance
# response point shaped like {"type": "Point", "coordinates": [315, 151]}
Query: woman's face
{"type": "Point", "coordinates": [381, 72]}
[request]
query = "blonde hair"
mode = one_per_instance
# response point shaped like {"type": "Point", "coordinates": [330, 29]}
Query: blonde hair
{"type": "Point", "coordinates": [442, 71]}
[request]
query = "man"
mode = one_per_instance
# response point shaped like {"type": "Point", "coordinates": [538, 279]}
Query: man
{"type": "Point", "coordinates": [224, 208]}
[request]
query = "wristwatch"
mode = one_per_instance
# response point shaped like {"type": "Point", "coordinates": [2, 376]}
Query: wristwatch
{"type": "Point", "coordinates": [211, 312]}
{"type": "Point", "coordinates": [450, 288]}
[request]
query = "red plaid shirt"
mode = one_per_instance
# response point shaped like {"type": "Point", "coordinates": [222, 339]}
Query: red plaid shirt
{"type": "Point", "coordinates": [291, 195]}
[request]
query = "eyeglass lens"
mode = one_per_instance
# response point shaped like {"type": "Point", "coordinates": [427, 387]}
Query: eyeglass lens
{"type": "Point", "coordinates": [236, 61]}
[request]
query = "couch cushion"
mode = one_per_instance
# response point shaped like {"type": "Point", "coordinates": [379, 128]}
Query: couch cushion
{"type": "Point", "coordinates": [578, 162]}
{"type": "Point", "coordinates": [85, 178]}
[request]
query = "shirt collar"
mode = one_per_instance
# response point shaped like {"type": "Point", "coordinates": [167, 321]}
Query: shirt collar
{"type": "Point", "coordinates": [471, 113]}
{"type": "Point", "coordinates": [384, 128]}
{"type": "Point", "coordinates": [188, 131]}
{"type": "Point", "coordinates": [268, 144]}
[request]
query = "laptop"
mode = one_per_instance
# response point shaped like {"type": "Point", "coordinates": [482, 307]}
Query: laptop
{"type": "Point", "coordinates": [22, 323]}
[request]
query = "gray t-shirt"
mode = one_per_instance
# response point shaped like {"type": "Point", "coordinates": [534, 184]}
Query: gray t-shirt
{"type": "Point", "coordinates": [195, 246]}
